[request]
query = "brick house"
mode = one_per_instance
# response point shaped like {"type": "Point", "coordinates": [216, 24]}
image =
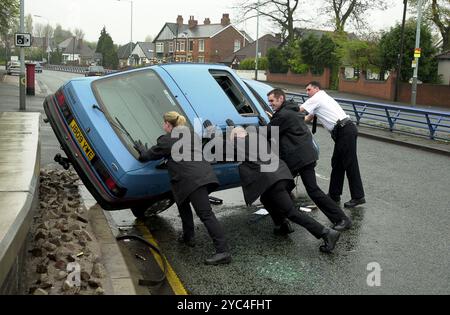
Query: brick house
{"type": "Point", "coordinates": [203, 43]}
{"type": "Point", "coordinates": [264, 43]}
{"type": "Point", "coordinates": [75, 51]}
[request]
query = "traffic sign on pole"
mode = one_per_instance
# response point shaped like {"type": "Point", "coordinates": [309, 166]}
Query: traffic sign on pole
{"type": "Point", "coordinates": [417, 52]}
{"type": "Point", "coordinates": [22, 40]}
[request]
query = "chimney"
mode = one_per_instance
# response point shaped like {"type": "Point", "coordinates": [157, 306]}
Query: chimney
{"type": "Point", "coordinates": [207, 21]}
{"type": "Point", "coordinates": [192, 23]}
{"type": "Point", "coordinates": [180, 20]}
{"type": "Point", "coordinates": [225, 19]}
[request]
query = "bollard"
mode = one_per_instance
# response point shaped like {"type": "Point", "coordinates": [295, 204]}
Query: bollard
{"type": "Point", "coordinates": [30, 78]}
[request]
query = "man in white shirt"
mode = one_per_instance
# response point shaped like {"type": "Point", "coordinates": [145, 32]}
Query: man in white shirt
{"type": "Point", "coordinates": [344, 134]}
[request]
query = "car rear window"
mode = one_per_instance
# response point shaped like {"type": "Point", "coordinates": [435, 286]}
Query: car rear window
{"type": "Point", "coordinates": [137, 101]}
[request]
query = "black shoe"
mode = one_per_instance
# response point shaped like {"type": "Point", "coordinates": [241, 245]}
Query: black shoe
{"type": "Point", "coordinates": [330, 237]}
{"type": "Point", "coordinates": [354, 202]}
{"type": "Point", "coordinates": [284, 229]}
{"type": "Point", "coordinates": [187, 241]}
{"type": "Point", "coordinates": [336, 199]}
{"type": "Point", "coordinates": [219, 259]}
{"type": "Point", "coordinates": [343, 225]}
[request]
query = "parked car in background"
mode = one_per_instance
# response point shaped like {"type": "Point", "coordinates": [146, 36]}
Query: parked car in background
{"type": "Point", "coordinates": [13, 68]}
{"type": "Point", "coordinates": [37, 67]}
{"type": "Point", "coordinates": [95, 71]}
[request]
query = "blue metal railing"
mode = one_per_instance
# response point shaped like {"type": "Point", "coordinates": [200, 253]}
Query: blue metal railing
{"type": "Point", "coordinates": [73, 69]}
{"type": "Point", "coordinates": [414, 121]}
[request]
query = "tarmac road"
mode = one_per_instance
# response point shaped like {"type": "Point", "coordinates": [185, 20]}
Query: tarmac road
{"type": "Point", "coordinates": [401, 229]}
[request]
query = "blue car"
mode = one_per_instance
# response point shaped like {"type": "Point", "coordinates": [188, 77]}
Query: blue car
{"type": "Point", "coordinates": [97, 120]}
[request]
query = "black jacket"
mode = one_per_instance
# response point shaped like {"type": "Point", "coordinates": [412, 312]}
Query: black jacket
{"type": "Point", "coordinates": [185, 176]}
{"type": "Point", "coordinates": [255, 182]}
{"type": "Point", "coordinates": [296, 146]}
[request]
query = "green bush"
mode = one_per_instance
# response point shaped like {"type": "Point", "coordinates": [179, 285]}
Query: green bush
{"type": "Point", "coordinates": [249, 64]}
{"type": "Point", "coordinates": [277, 63]}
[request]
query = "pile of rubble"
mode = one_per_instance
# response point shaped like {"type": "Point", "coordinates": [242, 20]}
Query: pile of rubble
{"type": "Point", "coordinates": [63, 255]}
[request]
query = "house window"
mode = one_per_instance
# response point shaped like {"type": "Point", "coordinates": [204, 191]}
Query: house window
{"type": "Point", "coordinates": [201, 59]}
{"type": "Point", "coordinates": [182, 45]}
{"type": "Point", "coordinates": [201, 45]}
{"type": "Point", "coordinates": [171, 47]}
{"type": "Point", "coordinates": [191, 45]}
{"type": "Point", "coordinates": [237, 45]}
{"type": "Point", "coordinates": [178, 46]}
{"type": "Point", "coordinates": [159, 47]}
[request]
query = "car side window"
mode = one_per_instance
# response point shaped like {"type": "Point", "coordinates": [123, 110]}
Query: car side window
{"type": "Point", "coordinates": [234, 92]}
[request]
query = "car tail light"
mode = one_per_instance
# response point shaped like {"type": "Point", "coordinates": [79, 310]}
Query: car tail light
{"type": "Point", "coordinates": [112, 186]}
{"type": "Point", "coordinates": [61, 100]}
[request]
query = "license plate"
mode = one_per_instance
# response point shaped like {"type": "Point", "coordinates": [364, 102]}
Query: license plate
{"type": "Point", "coordinates": [81, 140]}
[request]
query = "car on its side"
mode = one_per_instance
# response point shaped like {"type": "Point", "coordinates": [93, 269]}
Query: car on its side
{"type": "Point", "coordinates": [97, 120]}
{"type": "Point", "coordinates": [95, 71]}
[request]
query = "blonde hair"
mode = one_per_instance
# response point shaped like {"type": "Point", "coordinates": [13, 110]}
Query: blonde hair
{"type": "Point", "coordinates": [174, 118]}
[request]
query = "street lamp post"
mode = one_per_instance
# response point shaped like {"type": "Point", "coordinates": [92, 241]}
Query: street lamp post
{"type": "Point", "coordinates": [400, 55]}
{"type": "Point", "coordinates": [22, 100]}
{"type": "Point", "coordinates": [131, 28]}
{"type": "Point", "coordinates": [46, 36]}
{"type": "Point", "coordinates": [257, 47]}
{"type": "Point", "coordinates": [416, 59]}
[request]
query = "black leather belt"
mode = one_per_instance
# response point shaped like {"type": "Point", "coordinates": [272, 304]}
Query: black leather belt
{"type": "Point", "coordinates": [342, 122]}
{"type": "Point", "coordinates": [339, 124]}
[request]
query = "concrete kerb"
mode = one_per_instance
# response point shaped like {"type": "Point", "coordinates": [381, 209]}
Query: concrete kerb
{"type": "Point", "coordinates": [19, 183]}
{"type": "Point", "coordinates": [123, 283]}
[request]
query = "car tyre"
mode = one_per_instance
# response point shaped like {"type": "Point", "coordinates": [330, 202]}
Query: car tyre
{"type": "Point", "coordinates": [139, 213]}
{"type": "Point", "coordinates": [154, 209]}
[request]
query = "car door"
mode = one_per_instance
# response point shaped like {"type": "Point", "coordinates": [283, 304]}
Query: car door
{"type": "Point", "coordinates": [219, 97]}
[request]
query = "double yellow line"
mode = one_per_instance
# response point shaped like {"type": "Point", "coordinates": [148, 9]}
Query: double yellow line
{"type": "Point", "coordinates": [172, 278]}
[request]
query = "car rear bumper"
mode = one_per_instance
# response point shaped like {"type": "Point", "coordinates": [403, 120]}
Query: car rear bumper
{"type": "Point", "coordinates": [106, 200]}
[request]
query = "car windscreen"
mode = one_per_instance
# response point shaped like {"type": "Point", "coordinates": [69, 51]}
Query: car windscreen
{"type": "Point", "coordinates": [136, 101]}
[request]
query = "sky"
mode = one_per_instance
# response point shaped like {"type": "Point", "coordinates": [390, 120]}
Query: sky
{"type": "Point", "coordinates": [149, 16]}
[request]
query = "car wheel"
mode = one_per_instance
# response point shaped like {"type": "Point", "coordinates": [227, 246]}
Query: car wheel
{"type": "Point", "coordinates": [154, 209]}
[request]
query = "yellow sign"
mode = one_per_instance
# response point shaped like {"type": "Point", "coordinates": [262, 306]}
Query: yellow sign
{"type": "Point", "coordinates": [81, 140]}
{"type": "Point", "coordinates": [417, 53]}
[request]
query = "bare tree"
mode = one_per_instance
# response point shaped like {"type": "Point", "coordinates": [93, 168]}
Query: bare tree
{"type": "Point", "coordinates": [438, 12]}
{"type": "Point", "coordinates": [29, 24]}
{"type": "Point", "coordinates": [281, 12]}
{"type": "Point", "coordinates": [48, 31]}
{"type": "Point", "coordinates": [346, 11]}
{"type": "Point", "coordinates": [79, 34]}
{"type": "Point", "coordinates": [39, 30]}
{"type": "Point", "coordinates": [148, 38]}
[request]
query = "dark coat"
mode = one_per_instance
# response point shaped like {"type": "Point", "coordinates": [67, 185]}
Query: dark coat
{"type": "Point", "coordinates": [296, 145]}
{"type": "Point", "coordinates": [185, 176]}
{"type": "Point", "coordinates": [254, 182]}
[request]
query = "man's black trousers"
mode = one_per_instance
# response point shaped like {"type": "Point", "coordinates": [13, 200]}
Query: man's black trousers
{"type": "Point", "coordinates": [345, 161]}
{"type": "Point", "coordinates": [279, 204]}
{"type": "Point", "coordinates": [327, 205]}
